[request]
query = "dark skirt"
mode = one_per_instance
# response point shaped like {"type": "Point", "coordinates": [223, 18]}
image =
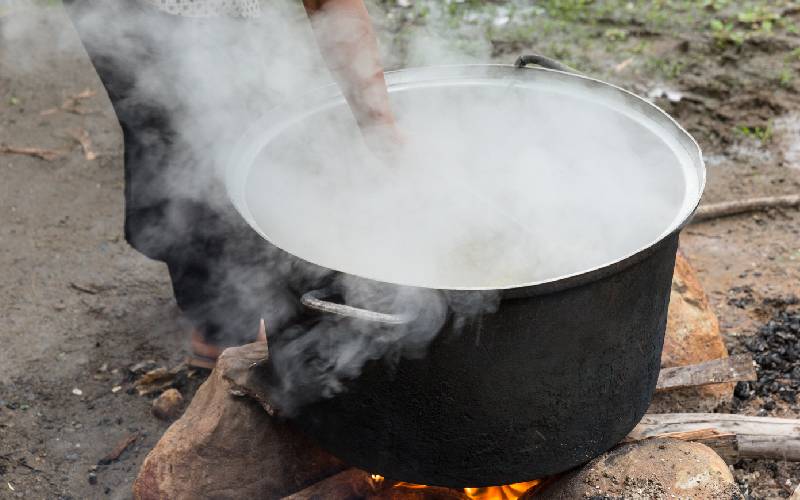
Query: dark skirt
{"type": "Point", "coordinates": [224, 275]}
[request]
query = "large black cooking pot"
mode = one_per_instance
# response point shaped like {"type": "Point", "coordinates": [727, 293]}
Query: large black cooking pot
{"type": "Point", "coordinates": [565, 362]}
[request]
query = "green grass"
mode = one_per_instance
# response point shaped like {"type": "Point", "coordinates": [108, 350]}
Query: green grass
{"type": "Point", "coordinates": [762, 134]}
{"type": "Point", "coordinates": [685, 15]}
{"type": "Point", "coordinates": [666, 68]}
{"type": "Point", "coordinates": [583, 32]}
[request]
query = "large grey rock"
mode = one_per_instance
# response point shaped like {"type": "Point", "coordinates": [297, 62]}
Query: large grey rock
{"type": "Point", "coordinates": [651, 469]}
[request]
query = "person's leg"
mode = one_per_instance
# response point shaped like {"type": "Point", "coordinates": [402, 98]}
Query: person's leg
{"type": "Point", "coordinates": [209, 284]}
{"type": "Point", "coordinates": [215, 263]}
{"type": "Point", "coordinates": [227, 281]}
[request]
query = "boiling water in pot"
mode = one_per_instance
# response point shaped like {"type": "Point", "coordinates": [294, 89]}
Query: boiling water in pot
{"type": "Point", "coordinates": [496, 186]}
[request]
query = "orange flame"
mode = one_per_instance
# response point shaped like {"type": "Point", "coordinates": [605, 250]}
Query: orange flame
{"type": "Point", "coordinates": [505, 492]}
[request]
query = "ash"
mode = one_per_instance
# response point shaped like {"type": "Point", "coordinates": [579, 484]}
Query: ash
{"type": "Point", "coordinates": [776, 350]}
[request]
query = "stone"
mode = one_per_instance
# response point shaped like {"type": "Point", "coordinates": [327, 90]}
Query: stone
{"type": "Point", "coordinates": [227, 447]}
{"type": "Point", "coordinates": [692, 336]}
{"type": "Point", "coordinates": [650, 469]}
{"type": "Point", "coordinates": [168, 405]}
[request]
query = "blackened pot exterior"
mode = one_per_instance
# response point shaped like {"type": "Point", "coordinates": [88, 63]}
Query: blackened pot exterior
{"type": "Point", "coordinates": [546, 383]}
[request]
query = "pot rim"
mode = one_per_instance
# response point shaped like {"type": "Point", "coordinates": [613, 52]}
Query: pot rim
{"type": "Point", "coordinates": [256, 136]}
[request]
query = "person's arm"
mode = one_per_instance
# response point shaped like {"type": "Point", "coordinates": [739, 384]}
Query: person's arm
{"type": "Point", "coordinates": [347, 41]}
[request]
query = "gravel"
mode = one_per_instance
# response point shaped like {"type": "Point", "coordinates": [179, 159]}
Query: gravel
{"type": "Point", "coordinates": [776, 350]}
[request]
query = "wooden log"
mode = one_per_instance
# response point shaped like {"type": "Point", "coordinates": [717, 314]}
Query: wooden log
{"type": "Point", "coordinates": [355, 484]}
{"type": "Point", "coordinates": [351, 483]}
{"type": "Point", "coordinates": [724, 209]}
{"type": "Point", "coordinates": [724, 443]}
{"type": "Point", "coordinates": [716, 371]}
{"type": "Point", "coordinates": [757, 437]}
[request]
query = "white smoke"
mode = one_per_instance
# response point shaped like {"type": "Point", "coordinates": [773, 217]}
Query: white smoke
{"type": "Point", "coordinates": [493, 188]}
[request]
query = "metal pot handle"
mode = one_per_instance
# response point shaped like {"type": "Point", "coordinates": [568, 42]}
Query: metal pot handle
{"type": "Point", "coordinates": [544, 62]}
{"type": "Point", "coordinates": [314, 300]}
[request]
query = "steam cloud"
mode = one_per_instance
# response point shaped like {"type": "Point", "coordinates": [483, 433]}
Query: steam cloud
{"type": "Point", "coordinates": [435, 214]}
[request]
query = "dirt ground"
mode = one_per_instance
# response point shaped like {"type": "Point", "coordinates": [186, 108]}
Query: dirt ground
{"type": "Point", "coordinates": [78, 307]}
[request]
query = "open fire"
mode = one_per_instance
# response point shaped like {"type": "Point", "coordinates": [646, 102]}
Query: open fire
{"type": "Point", "coordinates": [505, 492]}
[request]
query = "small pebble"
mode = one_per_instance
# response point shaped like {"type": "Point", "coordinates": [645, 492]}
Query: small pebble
{"type": "Point", "coordinates": [168, 405]}
{"type": "Point", "coordinates": [92, 478]}
{"type": "Point", "coordinates": [77, 392]}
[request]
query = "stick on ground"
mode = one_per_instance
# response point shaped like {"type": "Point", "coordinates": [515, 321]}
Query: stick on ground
{"type": "Point", "coordinates": [716, 210]}
{"type": "Point", "coordinates": [115, 453]}
{"type": "Point", "coordinates": [81, 136]}
{"type": "Point", "coordinates": [44, 154]}
{"type": "Point", "coordinates": [72, 104]}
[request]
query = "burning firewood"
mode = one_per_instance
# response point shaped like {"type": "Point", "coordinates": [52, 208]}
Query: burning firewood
{"type": "Point", "coordinates": [403, 491]}
{"type": "Point", "coordinates": [352, 483]}
{"type": "Point", "coordinates": [355, 483]}
{"type": "Point", "coordinates": [730, 436]}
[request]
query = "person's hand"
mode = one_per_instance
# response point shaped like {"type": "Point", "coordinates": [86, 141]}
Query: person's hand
{"type": "Point", "coordinates": [385, 141]}
{"type": "Point", "coordinates": [347, 40]}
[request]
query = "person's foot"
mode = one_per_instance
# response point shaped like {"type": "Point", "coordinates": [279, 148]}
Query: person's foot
{"type": "Point", "coordinates": [205, 354]}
